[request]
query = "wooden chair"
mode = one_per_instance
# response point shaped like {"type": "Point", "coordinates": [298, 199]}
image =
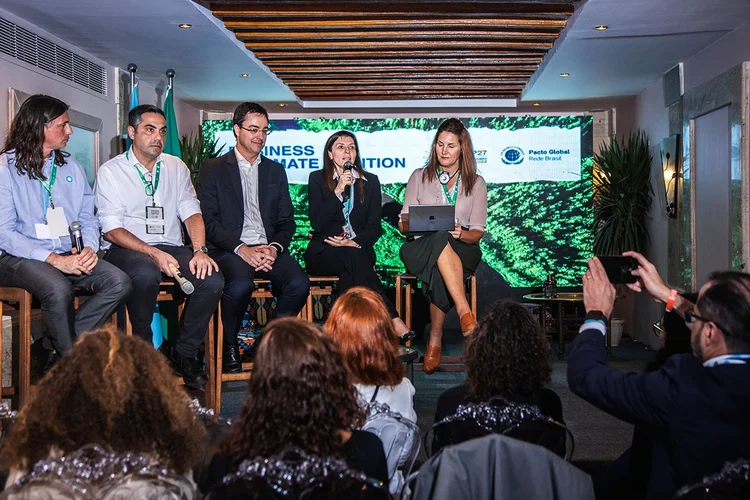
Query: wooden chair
{"type": "Point", "coordinates": [408, 283]}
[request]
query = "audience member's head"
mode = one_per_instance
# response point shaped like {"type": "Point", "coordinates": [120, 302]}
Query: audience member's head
{"type": "Point", "coordinates": [300, 395]}
{"type": "Point", "coordinates": [111, 390]}
{"type": "Point", "coordinates": [361, 326]}
{"type": "Point", "coordinates": [507, 355]}
{"type": "Point", "coordinates": [722, 316]}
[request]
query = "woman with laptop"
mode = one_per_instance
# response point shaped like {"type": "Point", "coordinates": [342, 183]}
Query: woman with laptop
{"type": "Point", "coordinates": [345, 211]}
{"type": "Point", "coordinates": [442, 256]}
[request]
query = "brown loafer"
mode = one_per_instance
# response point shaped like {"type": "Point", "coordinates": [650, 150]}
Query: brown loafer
{"type": "Point", "coordinates": [432, 359]}
{"type": "Point", "coordinates": [468, 323]}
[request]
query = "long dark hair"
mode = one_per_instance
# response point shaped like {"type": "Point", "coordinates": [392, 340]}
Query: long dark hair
{"type": "Point", "coordinates": [328, 167]}
{"type": "Point", "coordinates": [300, 395]}
{"type": "Point", "coordinates": [26, 134]}
{"type": "Point", "coordinates": [467, 164]}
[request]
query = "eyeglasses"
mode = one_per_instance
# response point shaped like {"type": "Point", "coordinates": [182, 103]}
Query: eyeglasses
{"type": "Point", "coordinates": [691, 318]}
{"type": "Point", "coordinates": [256, 130]}
{"type": "Point", "coordinates": [658, 329]}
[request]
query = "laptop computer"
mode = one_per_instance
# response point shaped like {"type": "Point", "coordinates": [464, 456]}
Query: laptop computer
{"type": "Point", "coordinates": [430, 218]}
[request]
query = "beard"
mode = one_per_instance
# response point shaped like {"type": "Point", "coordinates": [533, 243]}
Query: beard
{"type": "Point", "coordinates": [695, 344]}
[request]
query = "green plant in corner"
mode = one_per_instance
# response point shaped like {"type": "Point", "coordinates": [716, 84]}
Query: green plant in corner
{"type": "Point", "coordinates": [195, 150]}
{"type": "Point", "coordinates": [622, 195]}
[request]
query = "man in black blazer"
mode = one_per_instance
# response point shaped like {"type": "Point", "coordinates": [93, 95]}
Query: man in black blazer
{"type": "Point", "coordinates": [696, 408]}
{"type": "Point", "coordinates": [249, 224]}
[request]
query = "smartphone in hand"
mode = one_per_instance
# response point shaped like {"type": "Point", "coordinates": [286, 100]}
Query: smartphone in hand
{"type": "Point", "coordinates": [618, 268]}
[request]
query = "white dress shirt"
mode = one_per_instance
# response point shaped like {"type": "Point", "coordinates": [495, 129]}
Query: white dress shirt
{"type": "Point", "coordinates": [253, 231]}
{"type": "Point", "coordinates": [121, 200]}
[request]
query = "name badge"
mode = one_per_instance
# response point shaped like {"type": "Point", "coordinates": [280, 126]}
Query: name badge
{"type": "Point", "coordinates": [154, 220]}
{"type": "Point", "coordinates": [348, 232]}
{"type": "Point", "coordinates": [56, 226]}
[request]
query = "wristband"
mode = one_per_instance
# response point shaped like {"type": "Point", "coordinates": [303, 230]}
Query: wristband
{"type": "Point", "coordinates": [670, 302]}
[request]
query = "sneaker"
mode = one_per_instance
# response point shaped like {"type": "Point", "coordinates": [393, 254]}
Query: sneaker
{"type": "Point", "coordinates": [189, 369]}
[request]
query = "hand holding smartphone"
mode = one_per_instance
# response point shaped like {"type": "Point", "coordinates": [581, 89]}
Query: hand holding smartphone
{"type": "Point", "coordinates": [619, 268]}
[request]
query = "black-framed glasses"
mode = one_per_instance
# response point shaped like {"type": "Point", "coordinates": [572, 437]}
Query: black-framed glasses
{"type": "Point", "coordinates": [691, 318]}
{"type": "Point", "coordinates": [255, 130]}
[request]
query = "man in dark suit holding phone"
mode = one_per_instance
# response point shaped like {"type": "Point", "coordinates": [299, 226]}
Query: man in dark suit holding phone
{"type": "Point", "coordinates": [249, 224]}
{"type": "Point", "coordinates": [695, 407]}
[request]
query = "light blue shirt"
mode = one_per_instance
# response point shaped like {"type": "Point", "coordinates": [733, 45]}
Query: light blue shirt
{"type": "Point", "coordinates": [23, 204]}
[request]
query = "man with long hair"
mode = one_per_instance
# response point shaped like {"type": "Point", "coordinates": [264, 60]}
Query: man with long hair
{"type": "Point", "coordinates": [42, 191]}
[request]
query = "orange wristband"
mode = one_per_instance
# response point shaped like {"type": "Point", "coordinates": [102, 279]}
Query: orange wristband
{"type": "Point", "coordinates": [670, 302]}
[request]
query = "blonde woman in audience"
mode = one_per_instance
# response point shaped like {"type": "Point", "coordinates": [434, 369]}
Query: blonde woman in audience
{"type": "Point", "coordinates": [114, 391]}
{"type": "Point", "coordinates": [361, 326]}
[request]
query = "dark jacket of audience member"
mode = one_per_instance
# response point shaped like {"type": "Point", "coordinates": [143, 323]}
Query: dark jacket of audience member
{"type": "Point", "coordinates": [506, 356]}
{"type": "Point", "coordinates": [300, 396]}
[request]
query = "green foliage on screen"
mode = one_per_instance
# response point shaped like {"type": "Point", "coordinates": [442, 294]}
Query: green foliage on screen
{"type": "Point", "coordinates": [533, 228]}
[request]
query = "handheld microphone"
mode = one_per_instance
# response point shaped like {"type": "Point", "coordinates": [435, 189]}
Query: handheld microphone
{"type": "Point", "coordinates": [348, 166]}
{"type": "Point", "coordinates": [76, 237]}
{"type": "Point", "coordinates": [186, 286]}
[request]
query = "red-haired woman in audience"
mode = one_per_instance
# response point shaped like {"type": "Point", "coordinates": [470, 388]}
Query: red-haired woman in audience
{"type": "Point", "coordinates": [361, 326]}
{"type": "Point", "coordinates": [300, 396]}
{"type": "Point", "coordinates": [441, 260]}
{"type": "Point", "coordinates": [114, 391]}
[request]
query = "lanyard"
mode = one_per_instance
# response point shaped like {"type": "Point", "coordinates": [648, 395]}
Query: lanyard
{"type": "Point", "coordinates": [349, 205]}
{"type": "Point", "coordinates": [729, 359]}
{"type": "Point", "coordinates": [452, 197]}
{"type": "Point", "coordinates": [48, 187]}
{"type": "Point", "coordinates": [150, 188]}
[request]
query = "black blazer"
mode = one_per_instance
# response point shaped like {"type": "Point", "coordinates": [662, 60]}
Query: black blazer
{"type": "Point", "coordinates": [697, 416]}
{"type": "Point", "coordinates": [222, 202]}
{"type": "Point", "coordinates": [327, 216]}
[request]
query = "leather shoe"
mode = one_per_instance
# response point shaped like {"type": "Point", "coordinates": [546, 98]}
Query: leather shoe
{"type": "Point", "coordinates": [468, 323]}
{"type": "Point", "coordinates": [189, 369]}
{"type": "Point", "coordinates": [231, 360]}
{"type": "Point", "coordinates": [432, 358]}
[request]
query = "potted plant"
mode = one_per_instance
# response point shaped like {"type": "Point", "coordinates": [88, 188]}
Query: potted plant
{"type": "Point", "coordinates": [622, 202]}
{"type": "Point", "coordinates": [196, 150]}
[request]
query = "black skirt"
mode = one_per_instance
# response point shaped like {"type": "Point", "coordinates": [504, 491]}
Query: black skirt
{"type": "Point", "coordinates": [420, 258]}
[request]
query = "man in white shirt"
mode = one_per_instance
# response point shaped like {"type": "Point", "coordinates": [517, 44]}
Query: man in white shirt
{"type": "Point", "coordinates": [249, 226]}
{"type": "Point", "coordinates": [142, 196]}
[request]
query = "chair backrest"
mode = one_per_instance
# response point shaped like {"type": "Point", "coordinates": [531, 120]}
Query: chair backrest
{"type": "Point", "coordinates": [499, 416]}
{"type": "Point", "coordinates": [294, 474]}
{"type": "Point", "coordinates": [94, 472]}
{"type": "Point", "coordinates": [401, 440]}
{"type": "Point", "coordinates": [732, 483]}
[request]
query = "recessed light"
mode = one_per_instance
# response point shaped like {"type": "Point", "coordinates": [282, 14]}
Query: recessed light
{"type": "Point", "coordinates": [281, 105]}
{"type": "Point", "coordinates": [564, 75]}
{"type": "Point", "coordinates": [601, 27]}
{"type": "Point", "coordinates": [185, 26]}
{"type": "Point", "coordinates": [537, 104]}
{"type": "Point", "coordinates": [244, 75]}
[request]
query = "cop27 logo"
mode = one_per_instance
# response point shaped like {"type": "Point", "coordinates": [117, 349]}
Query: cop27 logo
{"type": "Point", "coordinates": [512, 155]}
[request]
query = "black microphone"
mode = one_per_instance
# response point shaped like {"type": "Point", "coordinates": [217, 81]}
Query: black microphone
{"type": "Point", "coordinates": [76, 237]}
{"type": "Point", "coordinates": [348, 166]}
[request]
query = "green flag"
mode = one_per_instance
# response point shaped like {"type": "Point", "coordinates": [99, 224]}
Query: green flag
{"type": "Point", "coordinates": [172, 142]}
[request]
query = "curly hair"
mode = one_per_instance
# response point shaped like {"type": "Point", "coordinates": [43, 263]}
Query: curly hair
{"type": "Point", "coordinates": [507, 355]}
{"type": "Point", "coordinates": [361, 326]}
{"type": "Point", "coordinates": [299, 395]}
{"type": "Point", "coordinates": [26, 134]}
{"type": "Point", "coordinates": [112, 390]}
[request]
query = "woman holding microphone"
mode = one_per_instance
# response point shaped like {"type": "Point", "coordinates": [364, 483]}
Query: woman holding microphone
{"type": "Point", "coordinates": [441, 260]}
{"type": "Point", "coordinates": [344, 205]}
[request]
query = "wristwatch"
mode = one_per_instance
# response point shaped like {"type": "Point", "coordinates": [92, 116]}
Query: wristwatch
{"type": "Point", "coordinates": [200, 249]}
{"type": "Point", "coordinates": [597, 315]}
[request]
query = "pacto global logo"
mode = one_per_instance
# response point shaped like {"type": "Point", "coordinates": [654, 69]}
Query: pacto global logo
{"type": "Point", "coordinates": [512, 155]}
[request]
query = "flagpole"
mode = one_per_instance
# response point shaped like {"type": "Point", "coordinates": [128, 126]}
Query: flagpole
{"type": "Point", "coordinates": [170, 78]}
{"type": "Point", "coordinates": [132, 68]}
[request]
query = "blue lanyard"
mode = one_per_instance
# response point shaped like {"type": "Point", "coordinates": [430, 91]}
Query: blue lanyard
{"type": "Point", "coordinates": [349, 205]}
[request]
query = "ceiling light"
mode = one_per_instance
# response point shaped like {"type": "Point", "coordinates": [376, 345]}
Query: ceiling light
{"type": "Point", "coordinates": [601, 27]}
{"type": "Point", "coordinates": [564, 75]}
{"type": "Point", "coordinates": [537, 104]}
{"type": "Point", "coordinates": [281, 104]}
{"type": "Point", "coordinates": [244, 75]}
{"type": "Point", "coordinates": [185, 26]}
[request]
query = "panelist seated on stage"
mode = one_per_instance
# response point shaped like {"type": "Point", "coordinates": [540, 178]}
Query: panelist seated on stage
{"type": "Point", "coordinates": [249, 226]}
{"type": "Point", "coordinates": [42, 191]}
{"type": "Point", "coordinates": [442, 259]}
{"type": "Point", "coordinates": [345, 210]}
{"type": "Point", "coordinates": [142, 195]}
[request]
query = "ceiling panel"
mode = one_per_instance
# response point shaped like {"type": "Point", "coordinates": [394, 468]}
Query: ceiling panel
{"type": "Point", "coordinates": [354, 50]}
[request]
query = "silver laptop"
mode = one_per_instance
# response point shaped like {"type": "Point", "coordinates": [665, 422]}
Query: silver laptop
{"type": "Point", "coordinates": [431, 218]}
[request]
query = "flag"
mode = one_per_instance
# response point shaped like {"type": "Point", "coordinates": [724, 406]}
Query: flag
{"type": "Point", "coordinates": [133, 104]}
{"type": "Point", "coordinates": [172, 142]}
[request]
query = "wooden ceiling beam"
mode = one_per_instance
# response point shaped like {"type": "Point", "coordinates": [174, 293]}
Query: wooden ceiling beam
{"type": "Point", "coordinates": [337, 96]}
{"type": "Point", "coordinates": [369, 80]}
{"type": "Point", "coordinates": [374, 53]}
{"type": "Point", "coordinates": [397, 44]}
{"type": "Point", "coordinates": [374, 35]}
{"type": "Point", "coordinates": [413, 23]}
{"type": "Point", "coordinates": [414, 68]}
{"type": "Point", "coordinates": [396, 63]}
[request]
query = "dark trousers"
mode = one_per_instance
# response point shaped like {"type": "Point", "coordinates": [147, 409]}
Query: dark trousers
{"type": "Point", "coordinates": [144, 274]}
{"type": "Point", "coordinates": [353, 266]}
{"type": "Point", "coordinates": [56, 292]}
{"type": "Point", "coordinates": [288, 281]}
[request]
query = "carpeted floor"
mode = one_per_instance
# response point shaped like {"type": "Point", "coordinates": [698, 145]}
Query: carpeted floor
{"type": "Point", "coordinates": [599, 438]}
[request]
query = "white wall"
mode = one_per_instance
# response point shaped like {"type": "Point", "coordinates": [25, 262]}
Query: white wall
{"type": "Point", "coordinates": [188, 117]}
{"type": "Point", "coordinates": [719, 57]}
